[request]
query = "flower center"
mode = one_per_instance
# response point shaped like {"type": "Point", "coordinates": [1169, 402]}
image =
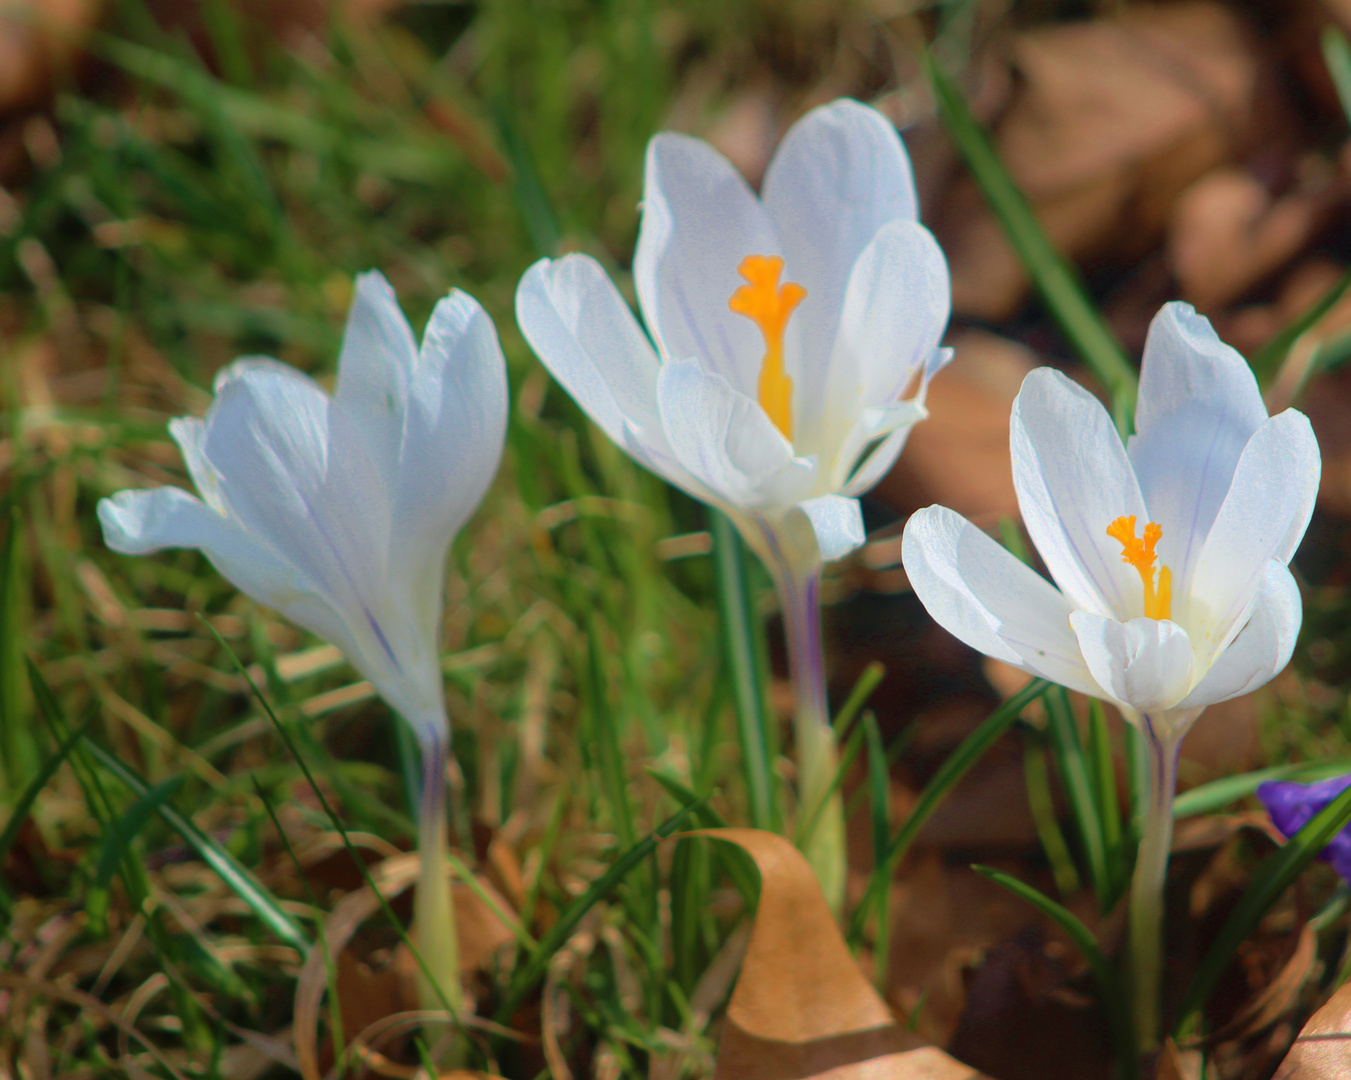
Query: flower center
{"type": "Point", "coordinates": [768, 304]}
{"type": "Point", "coordinates": [1139, 552]}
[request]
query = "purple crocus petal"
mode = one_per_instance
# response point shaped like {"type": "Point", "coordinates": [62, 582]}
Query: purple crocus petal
{"type": "Point", "coordinates": [1292, 805]}
{"type": "Point", "coordinates": [1339, 854]}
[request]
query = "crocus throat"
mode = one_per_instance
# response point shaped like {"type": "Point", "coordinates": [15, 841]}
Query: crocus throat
{"type": "Point", "coordinates": [1139, 552]}
{"type": "Point", "coordinates": [768, 304]}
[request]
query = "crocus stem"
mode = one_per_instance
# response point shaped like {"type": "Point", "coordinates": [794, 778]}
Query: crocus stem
{"type": "Point", "coordinates": [434, 929]}
{"type": "Point", "coordinates": [799, 597]}
{"type": "Point", "coordinates": [1146, 905]}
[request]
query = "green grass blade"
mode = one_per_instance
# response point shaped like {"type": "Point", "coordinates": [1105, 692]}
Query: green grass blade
{"type": "Point", "coordinates": [748, 685]}
{"type": "Point", "coordinates": [1102, 773]}
{"type": "Point", "coordinates": [739, 866]}
{"type": "Point", "coordinates": [538, 961]}
{"type": "Point", "coordinates": [96, 799]}
{"type": "Point", "coordinates": [1337, 56]}
{"type": "Point", "coordinates": [541, 223]}
{"type": "Point", "coordinates": [609, 751]}
{"type": "Point", "coordinates": [1038, 776]}
{"type": "Point", "coordinates": [1217, 794]}
{"type": "Point", "coordinates": [1063, 731]}
{"type": "Point", "coordinates": [1271, 878]}
{"type": "Point", "coordinates": [330, 967]}
{"type": "Point", "coordinates": [247, 887]}
{"type": "Point", "coordinates": [1109, 986]}
{"type": "Point", "coordinates": [34, 789]}
{"type": "Point", "coordinates": [1266, 362]}
{"type": "Point", "coordinates": [116, 842]}
{"type": "Point", "coordinates": [690, 882]}
{"type": "Point", "coordinates": [1056, 280]}
{"type": "Point", "coordinates": [879, 801]}
{"type": "Point", "coordinates": [707, 817]}
{"type": "Point", "coordinates": [867, 682]}
{"type": "Point", "coordinates": [336, 821]}
{"type": "Point", "coordinates": [16, 739]}
{"type": "Point", "coordinates": [943, 781]}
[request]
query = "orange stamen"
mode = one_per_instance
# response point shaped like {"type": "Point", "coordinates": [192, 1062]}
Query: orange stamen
{"type": "Point", "coordinates": [1139, 552]}
{"type": "Point", "coordinates": [768, 304]}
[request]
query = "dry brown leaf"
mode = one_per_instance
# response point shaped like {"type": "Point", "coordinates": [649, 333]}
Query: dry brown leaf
{"type": "Point", "coordinates": [1227, 234]}
{"type": "Point", "coordinates": [1278, 997]}
{"type": "Point", "coordinates": [802, 1009]}
{"type": "Point", "coordinates": [35, 39]}
{"type": "Point", "coordinates": [1113, 118]}
{"type": "Point", "coordinates": [1322, 1051]}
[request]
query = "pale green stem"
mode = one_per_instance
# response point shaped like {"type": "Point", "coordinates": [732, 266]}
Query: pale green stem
{"type": "Point", "coordinates": [434, 930]}
{"type": "Point", "coordinates": [1151, 870]}
{"type": "Point", "coordinates": [799, 584]}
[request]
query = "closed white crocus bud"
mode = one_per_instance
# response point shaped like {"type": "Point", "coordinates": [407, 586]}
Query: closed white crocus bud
{"type": "Point", "coordinates": [338, 512]}
{"type": "Point", "coordinates": [1170, 555]}
{"type": "Point", "coordinates": [792, 337]}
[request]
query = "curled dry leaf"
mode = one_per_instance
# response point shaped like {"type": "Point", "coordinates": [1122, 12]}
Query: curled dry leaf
{"type": "Point", "coordinates": [480, 933]}
{"type": "Point", "coordinates": [802, 1009]}
{"type": "Point", "coordinates": [1322, 1051]}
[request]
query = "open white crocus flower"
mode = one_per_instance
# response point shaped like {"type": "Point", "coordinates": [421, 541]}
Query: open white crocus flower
{"type": "Point", "coordinates": [792, 339]}
{"type": "Point", "coordinates": [788, 328]}
{"type": "Point", "coordinates": [338, 512]}
{"type": "Point", "coordinates": [1169, 553]}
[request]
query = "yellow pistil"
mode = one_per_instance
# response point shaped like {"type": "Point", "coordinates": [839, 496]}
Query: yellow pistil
{"type": "Point", "coordinates": [1139, 552]}
{"type": "Point", "coordinates": [768, 304]}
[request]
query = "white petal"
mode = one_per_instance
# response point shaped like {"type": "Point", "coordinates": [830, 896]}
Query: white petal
{"type": "Point", "coordinates": [140, 522]}
{"type": "Point", "coordinates": [1262, 648]}
{"type": "Point", "coordinates": [457, 420]}
{"type": "Point", "coordinates": [579, 326]}
{"type": "Point", "coordinates": [895, 310]}
{"type": "Point", "coordinates": [980, 593]}
{"type": "Point", "coordinates": [1143, 663]}
{"type": "Point", "coordinates": [1073, 480]}
{"type": "Point", "coordinates": [725, 439]}
{"type": "Point", "coordinates": [700, 219]}
{"type": "Point", "coordinates": [836, 523]}
{"type": "Point", "coordinates": [1262, 518]}
{"type": "Point", "coordinates": [840, 174]}
{"type": "Point", "coordinates": [295, 472]}
{"type": "Point", "coordinates": [190, 434]}
{"type": "Point", "coordinates": [245, 365]}
{"type": "Point", "coordinates": [376, 362]}
{"type": "Point", "coordinates": [1198, 407]}
{"type": "Point", "coordinates": [880, 459]}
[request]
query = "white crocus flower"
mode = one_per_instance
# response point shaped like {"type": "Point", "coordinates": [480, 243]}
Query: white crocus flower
{"type": "Point", "coordinates": [792, 337]}
{"type": "Point", "coordinates": [1169, 554]}
{"type": "Point", "coordinates": [788, 329]}
{"type": "Point", "coordinates": [338, 512]}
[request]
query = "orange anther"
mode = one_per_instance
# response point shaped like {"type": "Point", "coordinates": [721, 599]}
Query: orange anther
{"type": "Point", "coordinates": [1139, 553]}
{"type": "Point", "coordinates": [768, 304]}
